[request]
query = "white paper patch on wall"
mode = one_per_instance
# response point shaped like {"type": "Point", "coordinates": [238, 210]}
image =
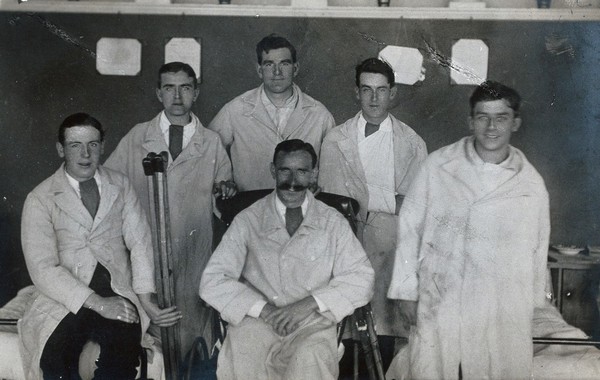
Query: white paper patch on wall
{"type": "Point", "coordinates": [406, 62]}
{"type": "Point", "coordinates": [469, 63]}
{"type": "Point", "coordinates": [118, 56]}
{"type": "Point", "coordinates": [186, 50]}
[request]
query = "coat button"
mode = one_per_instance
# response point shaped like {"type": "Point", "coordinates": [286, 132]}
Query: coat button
{"type": "Point", "coordinates": [275, 297]}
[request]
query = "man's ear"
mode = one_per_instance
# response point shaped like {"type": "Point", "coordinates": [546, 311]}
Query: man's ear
{"type": "Point", "coordinates": [393, 92]}
{"type": "Point", "coordinates": [315, 175]}
{"type": "Point", "coordinates": [159, 95]}
{"type": "Point", "coordinates": [259, 70]}
{"type": "Point", "coordinates": [470, 121]}
{"type": "Point", "coordinates": [60, 149]}
{"type": "Point", "coordinates": [357, 93]}
{"type": "Point", "coordinates": [296, 69]}
{"type": "Point", "coordinates": [272, 167]}
{"type": "Point", "coordinates": [516, 124]}
{"type": "Point", "coordinates": [196, 93]}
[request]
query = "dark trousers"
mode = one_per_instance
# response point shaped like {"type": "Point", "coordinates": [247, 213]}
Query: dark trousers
{"type": "Point", "coordinates": [119, 341]}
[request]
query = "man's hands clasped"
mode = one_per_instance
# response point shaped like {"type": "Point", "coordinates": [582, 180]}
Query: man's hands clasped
{"type": "Point", "coordinates": [286, 319]}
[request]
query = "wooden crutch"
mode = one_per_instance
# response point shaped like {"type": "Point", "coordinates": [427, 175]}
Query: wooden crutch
{"type": "Point", "coordinates": [155, 168]}
{"type": "Point", "coordinates": [363, 318]}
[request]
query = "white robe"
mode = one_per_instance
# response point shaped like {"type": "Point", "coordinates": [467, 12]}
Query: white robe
{"type": "Point", "coordinates": [258, 261]}
{"type": "Point", "coordinates": [475, 260]}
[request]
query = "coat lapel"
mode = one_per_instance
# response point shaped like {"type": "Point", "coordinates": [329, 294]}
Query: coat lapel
{"type": "Point", "coordinates": [193, 149]}
{"type": "Point", "coordinates": [254, 108]}
{"type": "Point", "coordinates": [67, 200]}
{"type": "Point", "coordinates": [298, 116]}
{"type": "Point", "coordinates": [108, 195]}
{"type": "Point", "coordinates": [154, 140]}
{"type": "Point", "coordinates": [349, 148]}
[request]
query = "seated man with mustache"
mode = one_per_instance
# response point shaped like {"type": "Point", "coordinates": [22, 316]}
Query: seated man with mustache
{"type": "Point", "coordinates": [287, 270]}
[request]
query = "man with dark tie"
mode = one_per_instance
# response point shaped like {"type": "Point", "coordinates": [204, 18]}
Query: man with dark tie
{"type": "Point", "coordinates": [373, 158]}
{"type": "Point", "coordinates": [198, 168]}
{"type": "Point", "coordinates": [88, 250]}
{"type": "Point", "coordinates": [286, 271]}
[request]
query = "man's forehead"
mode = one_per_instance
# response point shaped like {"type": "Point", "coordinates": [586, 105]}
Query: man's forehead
{"type": "Point", "coordinates": [373, 80]}
{"type": "Point", "coordinates": [175, 78]}
{"type": "Point", "coordinates": [297, 156]}
{"type": "Point", "coordinates": [279, 54]}
{"type": "Point", "coordinates": [493, 106]}
{"type": "Point", "coordinates": [81, 132]}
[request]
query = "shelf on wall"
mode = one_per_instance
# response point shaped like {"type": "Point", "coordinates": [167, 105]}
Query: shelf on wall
{"type": "Point", "coordinates": [204, 8]}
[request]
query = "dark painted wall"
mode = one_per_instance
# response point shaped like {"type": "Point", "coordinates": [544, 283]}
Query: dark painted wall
{"type": "Point", "coordinates": [47, 71]}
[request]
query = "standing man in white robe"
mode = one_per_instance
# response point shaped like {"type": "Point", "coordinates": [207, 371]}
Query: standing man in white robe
{"type": "Point", "coordinates": [198, 168]}
{"type": "Point", "coordinates": [253, 123]}
{"type": "Point", "coordinates": [287, 270]}
{"type": "Point", "coordinates": [471, 266]}
{"type": "Point", "coordinates": [373, 158]}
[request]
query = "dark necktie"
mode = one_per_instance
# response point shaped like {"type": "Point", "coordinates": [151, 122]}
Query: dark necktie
{"type": "Point", "coordinates": [175, 140]}
{"type": "Point", "coordinates": [90, 196]}
{"type": "Point", "coordinates": [293, 219]}
{"type": "Point", "coordinates": [370, 129]}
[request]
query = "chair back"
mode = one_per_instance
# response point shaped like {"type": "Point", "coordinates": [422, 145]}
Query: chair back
{"type": "Point", "coordinates": [229, 208]}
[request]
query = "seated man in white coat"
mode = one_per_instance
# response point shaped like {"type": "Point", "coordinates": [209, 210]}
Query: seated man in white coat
{"type": "Point", "coordinates": [287, 270]}
{"type": "Point", "coordinates": [88, 251]}
{"type": "Point", "coordinates": [474, 230]}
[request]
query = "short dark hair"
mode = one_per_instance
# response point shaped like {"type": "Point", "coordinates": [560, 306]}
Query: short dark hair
{"type": "Point", "coordinates": [377, 66]}
{"type": "Point", "coordinates": [175, 67]}
{"type": "Point", "coordinates": [79, 119]}
{"type": "Point", "coordinates": [273, 41]}
{"type": "Point", "coordinates": [491, 90]}
{"type": "Point", "coordinates": [295, 145]}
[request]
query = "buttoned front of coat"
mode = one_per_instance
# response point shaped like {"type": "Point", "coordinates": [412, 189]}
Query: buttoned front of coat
{"type": "Point", "coordinates": [475, 259]}
{"type": "Point", "coordinates": [247, 129]}
{"type": "Point", "coordinates": [341, 172]}
{"type": "Point", "coordinates": [257, 260]}
{"type": "Point", "coordinates": [190, 181]}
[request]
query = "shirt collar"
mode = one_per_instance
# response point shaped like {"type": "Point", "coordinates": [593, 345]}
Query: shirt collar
{"type": "Point", "coordinates": [289, 103]}
{"type": "Point", "coordinates": [75, 183]}
{"type": "Point", "coordinates": [384, 126]}
{"type": "Point", "coordinates": [281, 208]}
{"type": "Point", "coordinates": [511, 162]}
{"type": "Point", "coordinates": [164, 124]}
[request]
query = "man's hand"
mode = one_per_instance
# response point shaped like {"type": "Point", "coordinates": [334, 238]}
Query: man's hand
{"type": "Point", "coordinates": [226, 189]}
{"type": "Point", "coordinates": [117, 308]}
{"type": "Point", "coordinates": [285, 320]}
{"type": "Point", "coordinates": [408, 312]}
{"type": "Point", "coordinates": [160, 317]}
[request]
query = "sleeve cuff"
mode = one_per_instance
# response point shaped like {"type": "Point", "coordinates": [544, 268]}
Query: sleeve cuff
{"type": "Point", "coordinates": [256, 309]}
{"type": "Point", "coordinates": [322, 307]}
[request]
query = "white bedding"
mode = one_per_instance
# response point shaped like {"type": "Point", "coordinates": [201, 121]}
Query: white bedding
{"type": "Point", "coordinates": [11, 366]}
{"type": "Point", "coordinates": [550, 362]}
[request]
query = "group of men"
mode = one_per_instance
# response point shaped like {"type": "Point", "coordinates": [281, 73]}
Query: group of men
{"type": "Point", "coordinates": [462, 234]}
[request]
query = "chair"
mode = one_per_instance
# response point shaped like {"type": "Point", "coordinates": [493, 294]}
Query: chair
{"type": "Point", "coordinates": [362, 317]}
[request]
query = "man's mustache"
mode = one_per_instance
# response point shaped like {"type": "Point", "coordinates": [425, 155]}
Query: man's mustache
{"type": "Point", "coordinates": [288, 186]}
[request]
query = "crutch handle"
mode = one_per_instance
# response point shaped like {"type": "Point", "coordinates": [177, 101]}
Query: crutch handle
{"type": "Point", "coordinates": [148, 165]}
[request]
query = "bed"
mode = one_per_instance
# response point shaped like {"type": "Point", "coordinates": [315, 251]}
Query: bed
{"type": "Point", "coordinates": [11, 365]}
